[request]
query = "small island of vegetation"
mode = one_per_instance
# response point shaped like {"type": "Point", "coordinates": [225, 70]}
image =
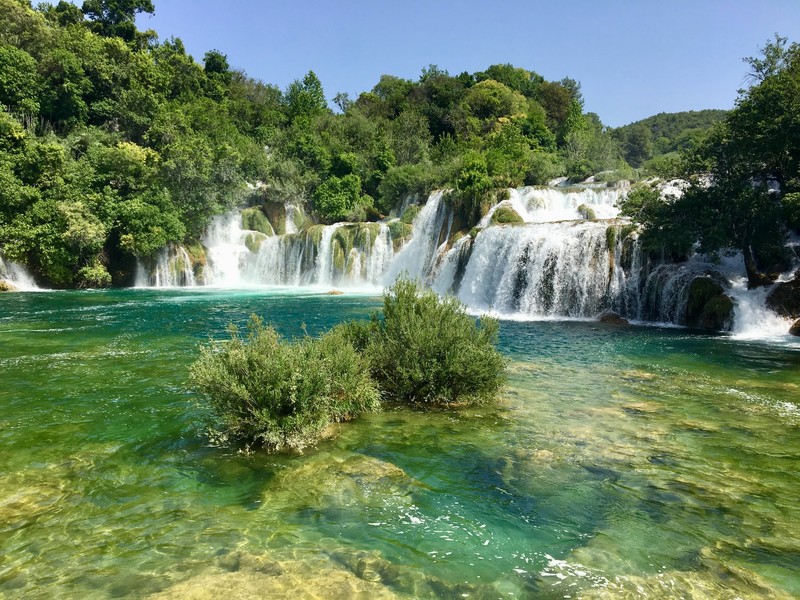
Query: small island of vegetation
{"type": "Point", "coordinates": [422, 351]}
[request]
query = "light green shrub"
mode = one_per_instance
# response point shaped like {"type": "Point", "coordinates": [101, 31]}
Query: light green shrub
{"type": "Point", "coordinates": [282, 395]}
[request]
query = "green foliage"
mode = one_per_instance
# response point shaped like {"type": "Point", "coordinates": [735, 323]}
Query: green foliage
{"type": "Point", "coordinates": [253, 218]}
{"type": "Point", "coordinates": [427, 350]}
{"type": "Point", "coordinates": [282, 395]}
{"type": "Point", "coordinates": [662, 220]}
{"type": "Point", "coordinates": [402, 181]}
{"type": "Point", "coordinates": [664, 133]}
{"type": "Point", "coordinates": [791, 210]}
{"type": "Point", "coordinates": [665, 166]}
{"type": "Point", "coordinates": [20, 85]}
{"type": "Point", "coordinates": [94, 276]}
{"type": "Point", "coordinates": [751, 146]}
{"type": "Point", "coordinates": [506, 215]}
{"type": "Point", "coordinates": [410, 214]}
{"type": "Point", "coordinates": [337, 197]}
{"type": "Point", "coordinates": [306, 99]}
{"type": "Point", "coordinates": [116, 17]}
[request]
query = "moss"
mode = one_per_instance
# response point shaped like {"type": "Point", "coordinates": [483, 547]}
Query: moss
{"type": "Point", "coordinates": [400, 233]}
{"type": "Point", "coordinates": [365, 234]}
{"type": "Point", "coordinates": [474, 232]}
{"type": "Point", "coordinates": [315, 233]}
{"type": "Point", "coordinates": [253, 219]}
{"type": "Point", "coordinates": [197, 253]}
{"type": "Point", "coordinates": [276, 214]}
{"type": "Point", "coordinates": [410, 214]}
{"type": "Point", "coordinates": [338, 255]}
{"type": "Point", "coordinates": [506, 215]}
{"type": "Point", "coordinates": [345, 237]}
{"type": "Point", "coordinates": [198, 258]}
{"type": "Point", "coordinates": [627, 230]}
{"type": "Point", "coordinates": [253, 241]}
{"type": "Point", "coordinates": [299, 217]}
{"type": "Point", "coordinates": [587, 212]}
{"type": "Point", "coordinates": [611, 237]}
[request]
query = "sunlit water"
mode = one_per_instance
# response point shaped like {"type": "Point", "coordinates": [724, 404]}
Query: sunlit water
{"type": "Point", "coordinates": [638, 462]}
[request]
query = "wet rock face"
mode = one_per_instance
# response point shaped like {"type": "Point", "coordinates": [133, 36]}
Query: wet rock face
{"type": "Point", "coordinates": [795, 328]}
{"type": "Point", "coordinates": [612, 318]}
{"type": "Point", "coordinates": [708, 307]}
{"type": "Point", "coordinates": [6, 286]}
{"type": "Point", "coordinates": [784, 299]}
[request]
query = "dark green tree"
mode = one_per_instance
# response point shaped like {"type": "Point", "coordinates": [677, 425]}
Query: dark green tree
{"type": "Point", "coordinates": [116, 17]}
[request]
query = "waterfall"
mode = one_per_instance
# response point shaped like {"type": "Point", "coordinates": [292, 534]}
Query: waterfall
{"type": "Point", "coordinates": [753, 320]}
{"type": "Point", "coordinates": [556, 264]}
{"type": "Point", "coordinates": [226, 250]}
{"type": "Point", "coordinates": [549, 269]}
{"type": "Point", "coordinates": [171, 267]}
{"type": "Point", "coordinates": [17, 276]}
{"type": "Point", "coordinates": [417, 257]}
{"type": "Point", "coordinates": [324, 257]}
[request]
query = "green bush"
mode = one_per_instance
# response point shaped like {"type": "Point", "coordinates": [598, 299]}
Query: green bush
{"type": "Point", "coordinates": [401, 181]}
{"type": "Point", "coordinates": [282, 395]}
{"type": "Point", "coordinates": [428, 350]}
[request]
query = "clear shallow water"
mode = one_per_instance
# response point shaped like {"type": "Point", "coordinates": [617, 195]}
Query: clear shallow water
{"type": "Point", "coordinates": [634, 462]}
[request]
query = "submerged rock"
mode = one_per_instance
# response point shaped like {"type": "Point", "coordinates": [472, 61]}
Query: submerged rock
{"type": "Point", "coordinates": [612, 318]}
{"type": "Point", "coordinates": [265, 577]}
{"type": "Point", "coordinates": [708, 307]}
{"type": "Point", "coordinates": [335, 293]}
{"type": "Point", "coordinates": [784, 299]}
{"type": "Point", "coordinates": [327, 481]}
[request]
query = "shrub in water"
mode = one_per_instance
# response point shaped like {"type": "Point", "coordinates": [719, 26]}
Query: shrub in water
{"type": "Point", "coordinates": [427, 349]}
{"type": "Point", "coordinates": [283, 395]}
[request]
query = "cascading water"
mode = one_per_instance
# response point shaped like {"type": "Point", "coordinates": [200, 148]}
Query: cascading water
{"type": "Point", "coordinates": [419, 255]}
{"type": "Point", "coordinates": [227, 251]}
{"type": "Point", "coordinates": [558, 269]}
{"type": "Point", "coordinates": [556, 264]}
{"type": "Point", "coordinates": [172, 267]}
{"type": "Point", "coordinates": [16, 275]}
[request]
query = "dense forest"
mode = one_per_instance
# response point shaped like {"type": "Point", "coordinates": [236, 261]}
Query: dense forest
{"type": "Point", "coordinates": [114, 143]}
{"type": "Point", "coordinates": [663, 134]}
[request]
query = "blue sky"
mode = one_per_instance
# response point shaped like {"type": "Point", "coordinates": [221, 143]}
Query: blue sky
{"type": "Point", "coordinates": [634, 58]}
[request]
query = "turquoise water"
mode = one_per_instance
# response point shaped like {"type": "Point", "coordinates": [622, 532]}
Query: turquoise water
{"type": "Point", "coordinates": [636, 462]}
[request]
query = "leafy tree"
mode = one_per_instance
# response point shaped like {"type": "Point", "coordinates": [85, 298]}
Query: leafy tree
{"type": "Point", "coordinates": [116, 18]}
{"type": "Point", "coordinates": [306, 99]}
{"type": "Point", "coordinates": [337, 197]}
{"type": "Point", "coordinates": [20, 85]}
{"type": "Point", "coordinates": [63, 14]}
{"type": "Point", "coordinates": [489, 101]}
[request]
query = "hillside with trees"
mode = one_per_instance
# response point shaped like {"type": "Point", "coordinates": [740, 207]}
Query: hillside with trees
{"type": "Point", "coordinates": [663, 134]}
{"type": "Point", "coordinates": [114, 143]}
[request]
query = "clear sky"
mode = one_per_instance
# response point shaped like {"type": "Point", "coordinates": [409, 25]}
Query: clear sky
{"type": "Point", "coordinates": [634, 58]}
